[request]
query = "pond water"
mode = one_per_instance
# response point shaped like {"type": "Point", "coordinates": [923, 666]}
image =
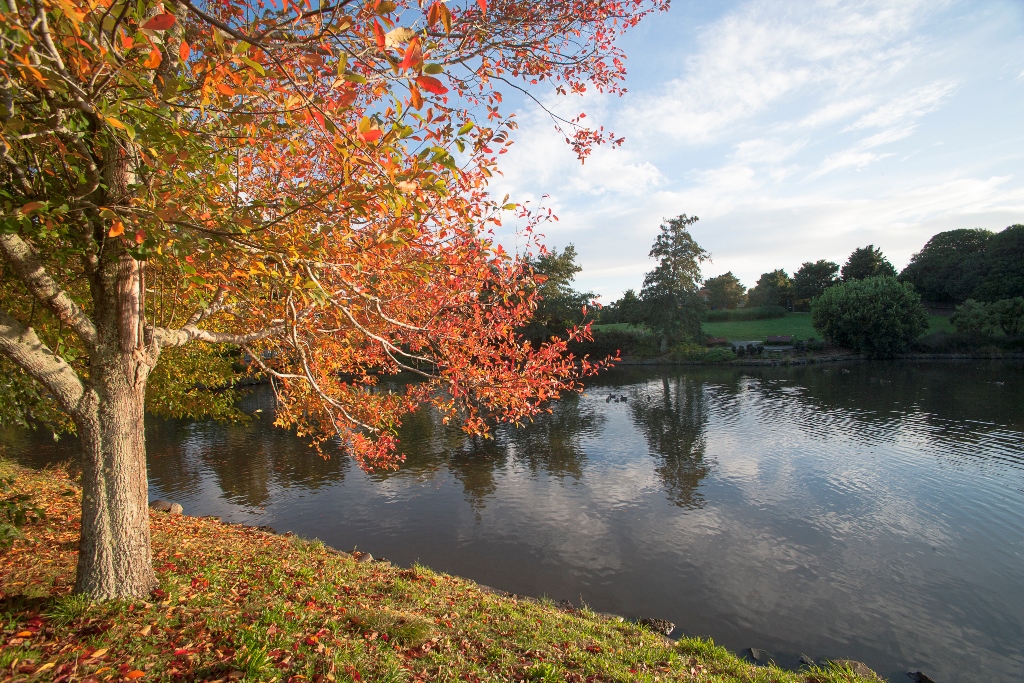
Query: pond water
{"type": "Point", "coordinates": [870, 511]}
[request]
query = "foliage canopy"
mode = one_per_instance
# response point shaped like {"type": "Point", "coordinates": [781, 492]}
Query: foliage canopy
{"type": "Point", "coordinates": [877, 316]}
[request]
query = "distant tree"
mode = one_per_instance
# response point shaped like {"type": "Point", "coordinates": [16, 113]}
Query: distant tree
{"type": "Point", "coordinates": [671, 305]}
{"type": "Point", "coordinates": [950, 266]}
{"type": "Point", "coordinates": [725, 291]}
{"type": "Point", "coordinates": [772, 289]}
{"type": "Point", "coordinates": [877, 316]}
{"type": "Point", "coordinates": [627, 309]}
{"type": "Point", "coordinates": [977, 317]}
{"type": "Point", "coordinates": [866, 262]}
{"type": "Point", "coordinates": [814, 278]}
{"type": "Point", "coordinates": [1002, 266]}
{"type": "Point", "coordinates": [560, 306]}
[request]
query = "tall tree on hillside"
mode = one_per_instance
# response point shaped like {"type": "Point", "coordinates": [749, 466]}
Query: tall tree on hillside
{"type": "Point", "coordinates": [950, 266]}
{"type": "Point", "coordinates": [725, 291]}
{"type": "Point", "coordinates": [772, 289]}
{"type": "Point", "coordinates": [180, 179]}
{"type": "Point", "coordinates": [671, 304]}
{"type": "Point", "coordinates": [560, 307]}
{"type": "Point", "coordinates": [813, 278]}
{"type": "Point", "coordinates": [866, 262]}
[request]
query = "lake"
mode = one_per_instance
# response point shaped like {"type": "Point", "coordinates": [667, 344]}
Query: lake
{"type": "Point", "coordinates": [871, 511]}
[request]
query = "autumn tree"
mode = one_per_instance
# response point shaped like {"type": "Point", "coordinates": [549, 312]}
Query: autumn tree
{"type": "Point", "coordinates": [725, 291]}
{"type": "Point", "coordinates": [672, 306]}
{"type": "Point", "coordinates": [303, 185]}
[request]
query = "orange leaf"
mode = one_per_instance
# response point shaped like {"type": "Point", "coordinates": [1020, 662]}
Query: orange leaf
{"type": "Point", "coordinates": [431, 84]}
{"type": "Point", "coordinates": [371, 135]}
{"type": "Point", "coordinates": [140, 236]}
{"type": "Point", "coordinates": [154, 59]}
{"type": "Point", "coordinates": [23, 634]}
{"type": "Point", "coordinates": [29, 208]}
{"type": "Point", "coordinates": [483, 5]}
{"type": "Point", "coordinates": [116, 229]}
{"type": "Point", "coordinates": [184, 51]}
{"type": "Point", "coordinates": [378, 33]}
{"type": "Point", "coordinates": [135, 674]}
{"type": "Point", "coordinates": [225, 89]}
{"type": "Point", "coordinates": [413, 54]}
{"type": "Point", "coordinates": [415, 98]}
{"type": "Point", "coordinates": [160, 22]}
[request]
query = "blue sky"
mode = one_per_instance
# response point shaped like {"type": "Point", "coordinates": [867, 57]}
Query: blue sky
{"type": "Point", "coordinates": [794, 130]}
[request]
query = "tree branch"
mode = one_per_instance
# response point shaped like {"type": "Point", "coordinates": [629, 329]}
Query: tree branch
{"type": "Point", "coordinates": [165, 337]}
{"type": "Point", "coordinates": [30, 270]}
{"type": "Point", "coordinates": [21, 345]}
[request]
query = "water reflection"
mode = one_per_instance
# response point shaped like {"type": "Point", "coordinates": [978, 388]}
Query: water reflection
{"type": "Point", "coordinates": [872, 511]}
{"type": "Point", "coordinates": [673, 419]}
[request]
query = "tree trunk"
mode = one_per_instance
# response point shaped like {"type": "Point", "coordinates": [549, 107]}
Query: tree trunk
{"type": "Point", "coordinates": [114, 559]}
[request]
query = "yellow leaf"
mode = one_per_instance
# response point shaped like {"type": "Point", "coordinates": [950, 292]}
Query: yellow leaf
{"type": "Point", "coordinates": [44, 667]}
{"type": "Point", "coordinates": [99, 653]}
{"type": "Point", "coordinates": [115, 123]}
{"type": "Point", "coordinates": [398, 36]}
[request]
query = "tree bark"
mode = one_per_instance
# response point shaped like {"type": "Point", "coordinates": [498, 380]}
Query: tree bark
{"type": "Point", "coordinates": [114, 558]}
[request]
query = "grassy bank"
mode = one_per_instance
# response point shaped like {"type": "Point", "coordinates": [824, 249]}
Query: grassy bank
{"type": "Point", "coordinates": [236, 603]}
{"type": "Point", "coordinates": [797, 325]}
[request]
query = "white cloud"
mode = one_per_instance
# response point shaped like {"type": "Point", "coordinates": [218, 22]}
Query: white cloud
{"type": "Point", "coordinates": [908, 107]}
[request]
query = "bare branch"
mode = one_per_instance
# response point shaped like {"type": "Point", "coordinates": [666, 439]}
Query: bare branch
{"type": "Point", "coordinates": [23, 346]}
{"type": "Point", "coordinates": [30, 270]}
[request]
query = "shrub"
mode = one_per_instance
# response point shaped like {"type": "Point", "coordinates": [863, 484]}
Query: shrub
{"type": "Point", "coordinates": [629, 343]}
{"type": "Point", "coordinates": [756, 313]}
{"type": "Point", "coordinates": [877, 316]}
{"type": "Point", "coordinates": [978, 318]}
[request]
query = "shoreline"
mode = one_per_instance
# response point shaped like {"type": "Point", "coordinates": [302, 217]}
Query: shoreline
{"type": "Point", "coordinates": [807, 359]}
{"type": "Point", "coordinates": [242, 603]}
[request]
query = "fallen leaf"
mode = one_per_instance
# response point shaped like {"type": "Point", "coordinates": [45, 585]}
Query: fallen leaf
{"type": "Point", "coordinates": [44, 667]}
{"type": "Point", "coordinates": [135, 674]}
{"type": "Point", "coordinates": [99, 653]}
{"type": "Point", "coordinates": [23, 634]}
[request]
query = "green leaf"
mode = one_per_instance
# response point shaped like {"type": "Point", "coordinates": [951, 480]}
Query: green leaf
{"type": "Point", "coordinates": [254, 65]}
{"type": "Point", "coordinates": [433, 69]}
{"type": "Point", "coordinates": [466, 127]}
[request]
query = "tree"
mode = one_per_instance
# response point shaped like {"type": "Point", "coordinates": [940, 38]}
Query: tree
{"type": "Point", "coordinates": [1002, 269]}
{"type": "Point", "coordinates": [559, 307]}
{"type": "Point", "coordinates": [671, 305]}
{"type": "Point", "coordinates": [725, 291]}
{"type": "Point", "coordinates": [950, 266]}
{"type": "Point", "coordinates": [814, 278]}
{"type": "Point", "coordinates": [181, 179]}
{"type": "Point", "coordinates": [877, 316]}
{"type": "Point", "coordinates": [772, 289]}
{"type": "Point", "coordinates": [866, 262]}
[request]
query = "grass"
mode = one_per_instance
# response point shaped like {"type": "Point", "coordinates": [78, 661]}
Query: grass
{"type": "Point", "coordinates": [797, 325]}
{"type": "Point", "coordinates": [235, 603]}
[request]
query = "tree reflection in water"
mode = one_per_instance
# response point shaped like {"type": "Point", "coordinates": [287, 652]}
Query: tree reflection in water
{"type": "Point", "coordinates": [551, 444]}
{"type": "Point", "coordinates": [673, 419]}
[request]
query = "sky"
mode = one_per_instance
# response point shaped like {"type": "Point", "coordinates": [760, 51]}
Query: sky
{"type": "Point", "coordinates": [795, 131]}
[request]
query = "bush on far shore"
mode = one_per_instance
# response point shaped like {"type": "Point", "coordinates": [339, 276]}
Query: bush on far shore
{"type": "Point", "coordinates": [878, 316]}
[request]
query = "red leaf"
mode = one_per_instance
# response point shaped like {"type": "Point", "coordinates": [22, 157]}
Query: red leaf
{"type": "Point", "coordinates": [378, 34]}
{"type": "Point", "coordinates": [160, 22]}
{"type": "Point", "coordinates": [371, 135]}
{"type": "Point", "coordinates": [431, 84]}
{"type": "Point", "coordinates": [483, 5]}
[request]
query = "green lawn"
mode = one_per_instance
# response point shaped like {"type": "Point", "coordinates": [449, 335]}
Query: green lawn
{"type": "Point", "coordinates": [797, 325]}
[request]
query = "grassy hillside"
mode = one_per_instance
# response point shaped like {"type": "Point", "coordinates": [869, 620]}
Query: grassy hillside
{"type": "Point", "coordinates": [797, 325]}
{"type": "Point", "coordinates": [237, 603]}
